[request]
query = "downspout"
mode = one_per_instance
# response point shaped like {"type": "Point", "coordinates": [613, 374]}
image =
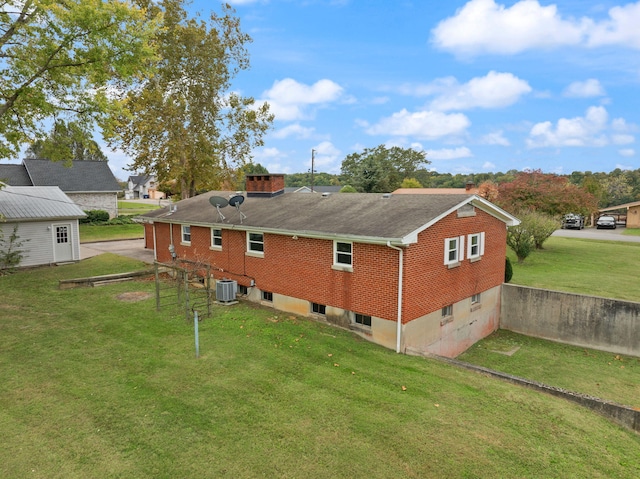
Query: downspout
{"type": "Point", "coordinates": [399, 319]}
{"type": "Point", "coordinates": [155, 243]}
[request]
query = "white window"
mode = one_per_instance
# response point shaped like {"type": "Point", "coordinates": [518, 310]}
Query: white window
{"type": "Point", "coordinates": [453, 250]}
{"type": "Point", "coordinates": [186, 234]}
{"type": "Point", "coordinates": [342, 253]}
{"type": "Point", "coordinates": [363, 319]}
{"type": "Point", "coordinates": [475, 299]}
{"type": "Point", "coordinates": [317, 308]}
{"type": "Point", "coordinates": [447, 311]}
{"type": "Point", "coordinates": [255, 243]}
{"type": "Point", "coordinates": [216, 238]}
{"type": "Point", "coordinates": [475, 246]}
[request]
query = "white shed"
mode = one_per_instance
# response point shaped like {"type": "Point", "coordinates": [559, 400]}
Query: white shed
{"type": "Point", "coordinates": [47, 222]}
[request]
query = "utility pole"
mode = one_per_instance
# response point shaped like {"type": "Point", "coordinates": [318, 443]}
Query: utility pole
{"type": "Point", "coordinates": [312, 167]}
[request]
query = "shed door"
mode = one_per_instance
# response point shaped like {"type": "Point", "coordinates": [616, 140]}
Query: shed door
{"type": "Point", "coordinates": [62, 246]}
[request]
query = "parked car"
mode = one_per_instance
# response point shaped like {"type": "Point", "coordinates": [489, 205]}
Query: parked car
{"type": "Point", "coordinates": [573, 220]}
{"type": "Point", "coordinates": [606, 221]}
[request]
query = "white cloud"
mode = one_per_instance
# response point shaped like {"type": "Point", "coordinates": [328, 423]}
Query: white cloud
{"type": "Point", "coordinates": [483, 26]}
{"type": "Point", "coordinates": [290, 100]}
{"type": "Point", "coordinates": [495, 90]}
{"type": "Point", "coordinates": [421, 124]}
{"type": "Point", "coordinates": [622, 139]}
{"type": "Point", "coordinates": [295, 130]}
{"type": "Point", "coordinates": [327, 156]}
{"type": "Point", "coordinates": [579, 131]}
{"type": "Point", "coordinates": [449, 153]}
{"type": "Point", "coordinates": [620, 29]}
{"type": "Point", "coordinates": [584, 89]}
{"type": "Point", "coordinates": [628, 152]}
{"type": "Point", "coordinates": [487, 165]}
{"type": "Point", "coordinates": [495, 138]}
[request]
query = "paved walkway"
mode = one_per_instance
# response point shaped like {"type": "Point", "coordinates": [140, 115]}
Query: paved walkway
{"type": "Point", "coordinates": [130, 248]}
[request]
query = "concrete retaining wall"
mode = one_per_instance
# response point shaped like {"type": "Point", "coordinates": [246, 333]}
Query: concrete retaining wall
{"type": "Point", "coordinates": [586, 321]}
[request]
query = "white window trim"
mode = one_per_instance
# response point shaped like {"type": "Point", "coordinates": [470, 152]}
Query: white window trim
{"type": "Point", "coordinates": [214, 246]}
{"type": "Point", "coordinates": [250, 252]}
{"type": "Point", "coordinates": [342, 266]}
{"type": "Point", "coordinates": [459, 251]}
{"type": "Point", "coordinates": [480, 253]}
{"type": "Point", "coordinates": [182, 234]}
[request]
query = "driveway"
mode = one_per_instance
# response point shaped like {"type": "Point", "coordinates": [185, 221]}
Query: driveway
{"type": "Point", "coordinates": [596, 234]}
{"type": "Point", "coordinates": [130, 248]}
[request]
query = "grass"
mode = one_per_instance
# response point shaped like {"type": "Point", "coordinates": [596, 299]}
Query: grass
{"type": "Point", "coordinates": [91, 233]}
{"type": "Point", "coordinates": [597, 268]}
{"type": "Point", "coordinates": [94, 386]}
{"type": "Point", "coordinates": [136, 208]}
{"type": "Point", "coordinates": [597, 373]}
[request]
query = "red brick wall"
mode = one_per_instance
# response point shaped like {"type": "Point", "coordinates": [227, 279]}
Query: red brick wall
{"type": "Point", "coordinates": [264, 183]}
{"type": "Point", "coordinates": [430, 285]}
{"type": "Point", "coordinates": [301, 268]}
{"type": "Point", "coordinates": [148, 236]}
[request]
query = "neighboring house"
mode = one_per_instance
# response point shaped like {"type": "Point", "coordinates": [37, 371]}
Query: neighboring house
{"type": "Point", "coordinates": [143, 186]}
{"type": "Point", "coordinates": [417, 273]}
{"type": "Point", "coordinates": [47, 223]}
{"type": "Point", "coordinates": [316, 189]}
{"type": "Point", "coordinates": [90, 184]}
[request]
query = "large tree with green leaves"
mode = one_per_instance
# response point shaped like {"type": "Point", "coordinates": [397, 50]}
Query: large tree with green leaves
{"type": "Point", "coordinates": [60, 57]}
{"type": "Point", "coordinates": [66, 142]}
{"type": "Point", "coordinates": [381, 169]}
{"type": "Point", "coordinates": [185, 124]}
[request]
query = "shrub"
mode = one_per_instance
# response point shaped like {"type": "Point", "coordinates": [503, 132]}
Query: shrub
{"type": "Point", "coordinates": [520, 241]}
{"type": "Point", "coordinates": [508, 270]}
{"type": "Point", "coordinates": [95, 217]}
{"type": "Point", "coordinates": [10, 251]}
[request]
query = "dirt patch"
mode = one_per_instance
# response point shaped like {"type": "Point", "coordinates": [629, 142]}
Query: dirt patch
{"type": "Point", "coordinates": [133, 296]}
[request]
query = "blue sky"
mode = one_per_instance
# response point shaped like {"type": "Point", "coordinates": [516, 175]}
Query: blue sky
{"type": "Point", "coordinates": [480, 85]}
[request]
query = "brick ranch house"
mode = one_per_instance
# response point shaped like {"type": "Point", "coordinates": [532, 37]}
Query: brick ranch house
{"type": "Point", "coordinates": [415, 273]}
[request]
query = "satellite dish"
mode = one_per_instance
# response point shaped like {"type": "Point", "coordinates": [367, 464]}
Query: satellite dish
{"type": "Point", "coordinates": [218, 201]}
{"type": "Point", "coordinates": [236, 200]}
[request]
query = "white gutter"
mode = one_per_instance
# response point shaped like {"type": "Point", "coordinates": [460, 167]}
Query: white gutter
{"type": "Point", "coordinates": [399, 320]}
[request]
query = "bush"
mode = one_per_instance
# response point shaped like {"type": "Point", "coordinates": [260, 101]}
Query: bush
{"type": "Point", "coordinates": [508, 271]}
{"type": "Point", "coordinates": [95, 217]}
{"type": "Point", "coordinates": [520, 240]}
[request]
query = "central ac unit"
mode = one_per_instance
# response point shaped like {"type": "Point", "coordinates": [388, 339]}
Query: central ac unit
{"type": "Point", "coordinates": [226, 290]}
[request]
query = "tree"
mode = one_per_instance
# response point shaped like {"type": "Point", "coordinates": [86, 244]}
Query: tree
{"type": "Point", "coordinates": [544, 192]}
{"type": "Point", "coordinates": [59, 58]}
{"type": "Point", "coordinates": [539, 225]}
{"type": "Point", "coordinates": [66, 142]}
{"type": "Point", "coordinates": [520, 240]}
{"type": "Point", "coordinates": [410, 183]}
{"type": "Point", "coordinates": [381, 169]}
{"type": "Point", "coordinates": [184, 123]}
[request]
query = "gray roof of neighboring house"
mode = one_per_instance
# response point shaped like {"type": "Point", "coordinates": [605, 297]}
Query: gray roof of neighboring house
{"type": "Point", "coordinates": [15, 175]}
{"type": "Point", "coordinates": [139, 180]}
{"type": "Point", "coordinates": [82, 176]}
{"type": "Point", "coordinates": [316, 189]}
{"type": "Point", "coordinates": [367, 216]}
{"type": "Point", "coordinates": [29, 203]}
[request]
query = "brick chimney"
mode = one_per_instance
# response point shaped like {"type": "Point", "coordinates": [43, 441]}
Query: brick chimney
{"type": "Point", "coordinates": [264, 185]}
{"type": "Point", "coordinates": [470, 186]}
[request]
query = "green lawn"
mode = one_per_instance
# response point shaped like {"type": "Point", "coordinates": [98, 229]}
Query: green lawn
{"type": "Point", "coordinates": [126, 207]}
{"type": "Point", "coordinates": [597, 268]}
{"type": "Point", "coordinates": [95, 386]}
{"type": "Point", "coordinates": [91, 233]}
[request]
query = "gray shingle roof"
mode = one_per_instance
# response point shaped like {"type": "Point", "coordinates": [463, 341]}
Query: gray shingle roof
{"type": "Point", "coordinates": [23, 203]}
{"type": "Point", "coordinates": [82, 176]}
{"type": "Point", "coordinates": [15, 175]}
{"type": "Point", "coordinates": [354, 215]}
